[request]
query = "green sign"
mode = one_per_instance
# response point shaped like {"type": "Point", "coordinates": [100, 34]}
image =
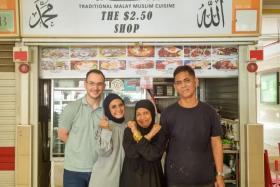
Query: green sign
{"type": "Point", "coordinates": [6, 21]}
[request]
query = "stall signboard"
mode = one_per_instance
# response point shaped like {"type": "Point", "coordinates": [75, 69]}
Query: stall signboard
{"type": "Point", "coordinates": [8, 18]}
{"type": "Point", "coordinates": [138, 61]}
{"type": "Point", "coordinates": [139, 18]}
{"type": "Point", "coordinates": [122, 18]}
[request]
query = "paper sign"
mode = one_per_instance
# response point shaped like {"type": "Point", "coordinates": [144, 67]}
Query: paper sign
{"type": "Point", "coordinates": [146, 82]}
{"type": "Point", "coordinates": [20, 54]}
{"type": "Point", "coordinates": [6, 21]}
{"type": "Point", "coordinates": [246, 20]}
{"type": "Point", "coordinates": [256, 54]}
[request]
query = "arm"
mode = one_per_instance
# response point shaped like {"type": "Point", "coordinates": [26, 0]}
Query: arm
{"type": "Point", "coordinates": [156, 128]}
{"type": "Point", "coordinates": [65, 123]}
{"type": "Point", "coordinates": [138, 136]}
{"type": "Point", "coordinates": [62, 134]}
{"type": "Point", "coordinates": [66, 119]}
{"type": "Point", "coordinates": [217, 150]}
{"type": "Point", "coordinates": [104, 138]}
{"type": "Point", "coordinates": [129, 144]}
{"type": "Point", "coordinates": [152, 150]}
{"type": "Point", "coordinates": [164, 124]}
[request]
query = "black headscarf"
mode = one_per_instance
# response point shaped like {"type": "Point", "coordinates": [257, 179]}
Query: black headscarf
{"type": "Point", "coordinates": [106, 104]}
{"type": "Point", "coordinates": [147, 104]}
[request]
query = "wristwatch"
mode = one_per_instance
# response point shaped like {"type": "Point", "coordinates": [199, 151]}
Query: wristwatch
{"type": "Point", "coordinates": [220, 174]}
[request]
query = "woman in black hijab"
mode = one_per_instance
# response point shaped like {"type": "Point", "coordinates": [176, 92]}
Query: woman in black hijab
{"type": "Point", "coordinates": [143, 145]}
{"type": "Point", "coordinates": [109, 137]}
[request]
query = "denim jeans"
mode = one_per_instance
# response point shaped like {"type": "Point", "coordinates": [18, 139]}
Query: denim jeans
{"type": "Point", "coordinates": [75, 179]}
{"type": "Point", "coordinates": [207, 185]}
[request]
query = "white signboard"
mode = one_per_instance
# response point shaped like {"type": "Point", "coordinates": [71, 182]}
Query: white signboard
{"type": "Point", "coordinates": [125, 18]}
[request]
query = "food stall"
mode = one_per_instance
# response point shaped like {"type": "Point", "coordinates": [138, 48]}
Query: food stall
{"type": "Point", "coordinates": [138, 46]}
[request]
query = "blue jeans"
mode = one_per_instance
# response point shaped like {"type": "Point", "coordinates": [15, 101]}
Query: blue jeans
{"type": "Point", "coordinates": [75, 179]}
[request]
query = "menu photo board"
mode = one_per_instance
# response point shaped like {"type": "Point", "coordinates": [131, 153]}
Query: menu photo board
{"type": "Point", "coordinates": [8, 18]}
{"type": "Point", "coordinates": [138, 61]}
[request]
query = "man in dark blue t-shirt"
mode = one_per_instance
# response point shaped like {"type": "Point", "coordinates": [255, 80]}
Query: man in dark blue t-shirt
{"type": "Point", "coordinates": [194, 156]}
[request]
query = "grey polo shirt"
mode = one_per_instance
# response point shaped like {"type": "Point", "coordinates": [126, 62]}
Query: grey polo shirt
{"type": "Point", "coordinates": [81, 121]}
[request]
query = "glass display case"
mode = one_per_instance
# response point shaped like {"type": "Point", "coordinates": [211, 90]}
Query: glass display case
{"type": "Point", "coordinates": [65, 91]}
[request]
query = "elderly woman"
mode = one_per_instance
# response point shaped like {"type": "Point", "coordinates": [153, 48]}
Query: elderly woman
{"type": "Point", "coordinates": [107, 169]}
{"type": "Point", "coordinates": [143, 145]}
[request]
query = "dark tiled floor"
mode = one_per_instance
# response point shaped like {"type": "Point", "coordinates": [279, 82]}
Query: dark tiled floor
{"type": "Point", "coordinates": [231, 185]}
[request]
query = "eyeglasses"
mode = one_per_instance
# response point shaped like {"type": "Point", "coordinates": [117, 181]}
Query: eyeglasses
{"type": "Point", "coordinates": [97, 84]}
{"type": "Point", "coordinates": [183, 82]}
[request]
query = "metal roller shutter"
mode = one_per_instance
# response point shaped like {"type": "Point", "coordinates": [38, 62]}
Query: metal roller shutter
{"type": "Point", "coordinates": [7, 128]}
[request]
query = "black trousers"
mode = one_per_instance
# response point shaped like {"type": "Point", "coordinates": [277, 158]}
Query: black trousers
{"type": "Point", "coordinates": [207, 185]}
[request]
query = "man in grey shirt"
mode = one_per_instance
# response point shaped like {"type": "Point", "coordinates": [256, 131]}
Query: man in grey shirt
{"type": "Point", "coordinates": [78, 122]}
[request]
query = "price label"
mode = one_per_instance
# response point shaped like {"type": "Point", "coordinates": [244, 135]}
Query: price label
{"type": "Point", "coordinates": [3, 21]}
{"type": "Point", "coordinates": [6, 21]}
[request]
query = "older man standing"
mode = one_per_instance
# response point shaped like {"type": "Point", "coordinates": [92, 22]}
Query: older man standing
{"type": "Point", "coordinates": [194, 156]}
